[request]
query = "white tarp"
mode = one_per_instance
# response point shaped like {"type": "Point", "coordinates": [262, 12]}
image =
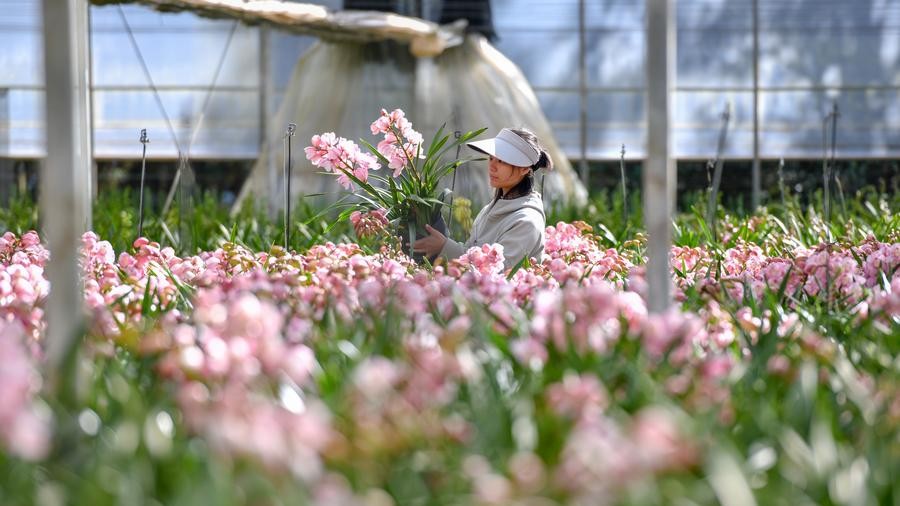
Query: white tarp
{"type": "Point", "coordinates": [341, 88]}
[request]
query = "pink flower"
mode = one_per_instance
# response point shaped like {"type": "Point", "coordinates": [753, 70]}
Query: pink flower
{"type": "Point", "coordinates": [577, 395]}
{"type": "Point", "coordinates": [486, 259]}
{"type": "Point", "coordinates": [529, 352]}
{"type": "Point", "coordinates": [883, 261]}
{"type": "Point", "coordinates": [401, 144]}
{"type": "Point", "coordinates": [527, 470]}
{"type": "Point", "coordinates": [835, 273]}
{"type": "Point", "coordinates": [687, 259]}
{"type": "Point", "coordinates": [886, 302]}
{"type": "Point", "coordinates": [659, 441]}
{"type": "Point", "coordinates": [376, 376]}
{"type": "Point", "coordinates": [24, 429]}
{"type": "Point", "coordinates": [775, 271]}
{"type": "Point", "coordinates": [717, 366]}
{"type": "Point", "coordinates": [341, 156]}
{"type": "Point", "coordinates": [320, 152]}
{"type": "Point", "coordinates": [672, 332]}
{"type": "Point", "coordinates": [370, 223]}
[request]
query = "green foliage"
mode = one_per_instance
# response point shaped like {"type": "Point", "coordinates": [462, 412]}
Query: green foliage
{"type": "Point", "coordinates": [867, 213]}
{"type": "Point", "coordinates": [19, 215]}
{"type": "Point", "coordinates": [810, 436]}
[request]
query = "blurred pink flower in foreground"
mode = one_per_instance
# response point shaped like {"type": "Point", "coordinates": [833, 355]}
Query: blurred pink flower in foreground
{"type": "Point", "coordinates": [576, 395]}
{"type": "Point", "coordinates": [243, 362]}
{"type": "Point", "coordinates": [24, 426]}
{"type": "Point", "coordinates": [486, 259]}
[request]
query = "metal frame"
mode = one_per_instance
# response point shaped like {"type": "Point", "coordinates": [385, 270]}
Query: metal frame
{"type": "Point", "coordinates": [577, 122]}
{"type": "Point", "coordinates": [659, 172]}
{"type": "Point", "coordinates": [66, 173]}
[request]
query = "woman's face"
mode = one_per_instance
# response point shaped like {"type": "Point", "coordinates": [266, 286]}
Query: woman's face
{"type": "Point", "coordinates": [503, 175]}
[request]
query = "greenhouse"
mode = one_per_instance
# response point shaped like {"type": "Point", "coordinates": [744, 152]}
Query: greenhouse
{"type": "Point", "coordinates": [455, 252]}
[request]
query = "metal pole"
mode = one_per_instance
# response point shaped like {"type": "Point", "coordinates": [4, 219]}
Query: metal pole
{"type": "Point", "coordinates": [624, 191]}
{"type": "Point", "coordinates": [172, 189]}
{"type": "Point", "coordinates": [826, 175]}
{"type": "Point", "coordinates": [582, 92]}
{"type": "Point", "coordinates": [659, 172]}
{"type": "Point", "coordinates": [713, 201]}
{"type": "Point", "coordinates": [144, 141]}
{"type": "Point", "coordinates": [287, 183]}
{"type": "Point", "coordinates": [66, 173]}
{"type": "Point", "coordinates": [781, 183]}
{"type": "Point", "coordinates": [756, 171]}
{"type": "Point", "coordinates": [834, 118]}
{"type": "Point", "coordinates": [186, 185]}
{"type": "Point", "coordinates": [456, 135]}
{"type": "Point", "coordinates": [266, 92]}
{"type": "Point", "coordinates": [831, 176]}
{"type": "Point", "coordinates": [86, 51]}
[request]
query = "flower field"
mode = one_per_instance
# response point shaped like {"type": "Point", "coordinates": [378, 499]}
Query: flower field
{"type": "Point", "coordinates": [343, 373]}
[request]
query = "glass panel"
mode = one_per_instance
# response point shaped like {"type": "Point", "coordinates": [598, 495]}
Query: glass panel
{"type": "Point", "coordinates": [22, 124]}
{"type": "Point", "coordinates": [715, 15]}
{"type": "Point", "coordinates": [20, 14]}
{"type": "Point", "coordinates": [603, 143]}
{"type": "Point", "coordinates": [533, 17]}
{"type": "Point", "coordinates": [142, 18]}
{"type": "Point", "coordinates": [176, 58]}
{"type": "Point", "coordinates": [717, 58]}
{"type": "Point", "coordinates": [614, 59]}
{"type": "Point", "coordinates": [868, 124]}
{"type": "Point", "coordinates": [618, 15]}
{"type": "Point", "coordinates": [830, 58]}
{"type": "Point", "coordinates": [614, 118]}
{"type": "Point", "coordinates": [698, 123]}
{"type": "Point", "coordinates": [550, 59]}
{"type": "Point", "coordinates": [830, 43]}
{"type": "Point", "coordinates": [230, 128]}
{"type": "Point", "coordinates": [825, 15]}
{"type": "Point", "coordinates": [21, 58]}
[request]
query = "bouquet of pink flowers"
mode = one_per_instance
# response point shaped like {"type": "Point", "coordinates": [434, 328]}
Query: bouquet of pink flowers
{"type": "Point", "coordinates": [408, 198]}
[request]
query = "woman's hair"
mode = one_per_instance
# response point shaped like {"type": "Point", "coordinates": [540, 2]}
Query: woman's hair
{"type": "Point", "coordinates": [544, 161]}
{"type": "Point", "coordinates": [526, 185]}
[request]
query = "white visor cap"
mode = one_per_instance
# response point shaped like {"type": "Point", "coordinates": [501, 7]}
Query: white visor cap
{"type": "Point", "coordinates": [509, 148]}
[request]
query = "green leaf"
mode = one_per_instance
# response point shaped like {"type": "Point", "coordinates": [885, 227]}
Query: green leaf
{"type": "Point", "coordinates": [375, 152]}
{"type": "Point", "coordinates": [524, 262]}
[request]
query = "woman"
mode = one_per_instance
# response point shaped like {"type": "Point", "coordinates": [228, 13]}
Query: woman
{"type": "Point", "coordinates": [515, 217]}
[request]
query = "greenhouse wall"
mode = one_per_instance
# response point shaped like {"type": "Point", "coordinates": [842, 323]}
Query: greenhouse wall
{"type": "Point", "coordinates": [812, 54]}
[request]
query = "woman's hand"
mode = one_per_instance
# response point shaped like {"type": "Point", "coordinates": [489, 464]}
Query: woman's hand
{"type": "Point", "coordinates": [432, 244]}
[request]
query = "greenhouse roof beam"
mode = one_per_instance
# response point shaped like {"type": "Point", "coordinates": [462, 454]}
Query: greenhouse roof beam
{"type": "Point", "coordinates": [425, 38]}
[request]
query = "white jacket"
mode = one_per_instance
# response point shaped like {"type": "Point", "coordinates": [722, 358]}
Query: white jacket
{"type": "Point", "coordinates": [517, 224]}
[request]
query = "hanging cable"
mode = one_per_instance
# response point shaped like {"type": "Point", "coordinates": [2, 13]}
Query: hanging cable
{"type": "Point", "coordinates": [212, 86]}
{"type": "Point", "coordinates": [140, 56]}
{"type": "Point", "coordinates": [196, 128]}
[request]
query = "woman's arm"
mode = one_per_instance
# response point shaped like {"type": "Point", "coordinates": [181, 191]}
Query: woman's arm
{"type": "Point", "coordinates": [452, 249]}
{"type": "Point", "coordinates": [519, 241]}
